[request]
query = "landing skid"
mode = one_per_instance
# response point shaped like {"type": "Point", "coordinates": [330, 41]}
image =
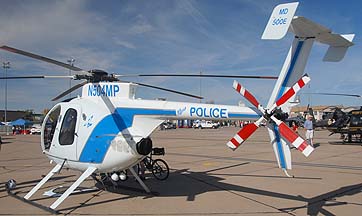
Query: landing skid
{"type": "Point", "coordinates": [140, 181]}
{"type": "Point", "coordinates": [12, 184]}
{"type": "Point", "coordinates": [45, 208]}
{"type": "Point", "coordinates": [89, 172]}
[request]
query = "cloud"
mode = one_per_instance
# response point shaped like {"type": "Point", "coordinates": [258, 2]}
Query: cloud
{"type": "Point", "coordinates": [140, 26]}
{"type": "Point", "coordinates": [49, 24]}
{"type": "Point", "coordinates": [126, 37]}
{"type": "Point", "coordinates": [124, 43]}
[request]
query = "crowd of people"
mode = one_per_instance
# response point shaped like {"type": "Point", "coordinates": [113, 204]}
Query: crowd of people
{"type": "Point", "coordinates": [18, 130]}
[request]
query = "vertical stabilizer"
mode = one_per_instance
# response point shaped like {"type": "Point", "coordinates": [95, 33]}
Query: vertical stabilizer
{"type": "Point", "coordinates": [280, 21]}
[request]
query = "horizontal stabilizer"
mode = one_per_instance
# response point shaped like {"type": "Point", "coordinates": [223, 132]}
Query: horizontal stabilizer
{"type": "Point", "coordinates": [303, 27]}
{"type": "Point", "coordinates": [337, 53]}
{"type": "Point", "coordinates": [338, 44]}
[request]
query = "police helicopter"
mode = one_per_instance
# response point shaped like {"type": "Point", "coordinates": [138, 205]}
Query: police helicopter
{"type": "Point", "coordinates": [348, 125]}
{"type": "Point", "coordinates": [338, 120]}
{"type": "Point", "coordinates": [106, 129]}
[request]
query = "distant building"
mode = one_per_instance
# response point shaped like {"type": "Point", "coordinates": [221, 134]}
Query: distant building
{"type": "Point", "coordinates": [11, 115]}
{"type": "Point", "coordinates": [318, 111]}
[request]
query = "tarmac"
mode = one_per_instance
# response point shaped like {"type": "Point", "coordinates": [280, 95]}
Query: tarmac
{"type": "Point", "coordinates": [206, 178]}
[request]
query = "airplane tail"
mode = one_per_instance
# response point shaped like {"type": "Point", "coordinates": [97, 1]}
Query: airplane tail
{"type": "Point", "coordinates": [289, 82]}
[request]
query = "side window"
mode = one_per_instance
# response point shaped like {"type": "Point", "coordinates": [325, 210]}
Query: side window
{"type": "Point", "coordinates": [66, 135]}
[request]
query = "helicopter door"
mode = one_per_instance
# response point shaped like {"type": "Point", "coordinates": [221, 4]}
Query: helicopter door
{"type": "Point", "coordinates": [68, 133]}
{"type": "Point", "coordinates": [49, 126]}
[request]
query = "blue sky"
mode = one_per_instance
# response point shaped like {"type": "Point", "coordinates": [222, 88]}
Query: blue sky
{"type": "Point", "coordinates": [185, 36]}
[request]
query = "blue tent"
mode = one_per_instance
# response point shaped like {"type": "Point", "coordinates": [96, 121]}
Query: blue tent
{"type": "Point", "coordinates": [21, 122]}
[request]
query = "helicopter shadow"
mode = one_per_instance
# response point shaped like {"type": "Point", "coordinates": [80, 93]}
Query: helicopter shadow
{"type": "Point", "coordinates": [6, 140]}
{"type": "Point", "coordinates": [345, 143]}
{"type": "Point", "coordinates": [315, 205]}
{"type": "Point", "coordinates": [189, 184]}
{"type": "Point", "coordinates": [181, 183]}
{"type": "Point", "coordinates": [32, 183]}
{"type": "Point", "coordinates": [316, 145]}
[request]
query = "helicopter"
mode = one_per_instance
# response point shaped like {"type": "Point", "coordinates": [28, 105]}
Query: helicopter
{"type": "Point", "coordinates": [107, 129]}
{"type": "Point", "coordinates": [332, 117]}
{"type": "Point", "coordinates": [349, 125]}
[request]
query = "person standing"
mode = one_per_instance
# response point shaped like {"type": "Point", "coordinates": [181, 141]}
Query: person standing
{"type": "Point", "coordinates": [295, 127]}
{"type": "Point", "coordinates": [308, 126]}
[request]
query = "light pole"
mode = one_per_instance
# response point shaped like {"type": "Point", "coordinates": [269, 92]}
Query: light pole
{"type": "Point", "coordinates": [6, 66]}
{"type": "Point", "coordinates": [71, 63]}
{"type": "Point", "coordinates": [200, 84]}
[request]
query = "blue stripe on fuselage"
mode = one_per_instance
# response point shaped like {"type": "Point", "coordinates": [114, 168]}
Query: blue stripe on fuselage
{"type": "Point", "coordinates": [280, 94]}
{"type": "Point", "coordinates": [240, 115]}
{"type": "Point", "coordinates": [279, 147]}
{"type": "Point", "coordinates": [290, 70]}
{"type": "Point", "coordinates": [98, 142]}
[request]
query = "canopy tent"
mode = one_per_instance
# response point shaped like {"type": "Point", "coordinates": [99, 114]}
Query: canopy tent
{"type": "Point", "coordinates": [21, 122]}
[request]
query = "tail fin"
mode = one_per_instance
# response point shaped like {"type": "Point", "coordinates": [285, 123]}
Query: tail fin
{"type": "Point", "coordinates": [306, 32]}
{"type": "Point", "coordinates": [279, 21]}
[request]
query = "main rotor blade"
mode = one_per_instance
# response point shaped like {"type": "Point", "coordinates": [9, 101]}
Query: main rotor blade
{"type": "Point", "coordinates": [169, 90]}
{"type": "Point", "coordinates": [41, 58]}
{"type": "Point", "coordinates": [336, 94]}
{"type": "Point", "coordinates": [70, 90]}
{"type": "Point", "coordinates": [198, 75]}
{"type": "Point", "coordinates": [36, 77]}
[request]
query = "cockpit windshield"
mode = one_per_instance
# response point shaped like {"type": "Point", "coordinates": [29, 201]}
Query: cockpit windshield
{"type": "Point", "coordinates": [50, 125]}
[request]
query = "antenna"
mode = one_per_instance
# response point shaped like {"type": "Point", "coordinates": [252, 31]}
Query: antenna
{"type": "Point", "coordinates": [6, 66]}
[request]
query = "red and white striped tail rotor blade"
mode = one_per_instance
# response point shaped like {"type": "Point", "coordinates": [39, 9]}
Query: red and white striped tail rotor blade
{"type": "Point", "coordinates": [239, 88]}
{"type": "Point", "coordinates": [244, 134]}
{"type": "Point", "coordinates": [293, 138]}
{"type": "Point", "coordinates": [291, 92]}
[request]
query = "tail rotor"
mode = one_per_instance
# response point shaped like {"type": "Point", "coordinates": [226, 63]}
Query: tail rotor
{"type": "Point", "coordinates": [267, 114]}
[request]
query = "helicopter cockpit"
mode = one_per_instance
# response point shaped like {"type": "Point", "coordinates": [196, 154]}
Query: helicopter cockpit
{"type": "Point", "coordinates": [60, 131]}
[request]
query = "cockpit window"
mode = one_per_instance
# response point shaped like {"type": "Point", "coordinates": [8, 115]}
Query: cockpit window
{"type": "Point", "coordinates": [50, 125]}
{"type": "Point", "coordinates": [67, 131]}
{"type": "Point", "coordinates": [356, 121]}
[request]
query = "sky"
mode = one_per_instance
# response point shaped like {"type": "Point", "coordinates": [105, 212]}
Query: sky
{"type": "Point", "coordinates": [164, 36]}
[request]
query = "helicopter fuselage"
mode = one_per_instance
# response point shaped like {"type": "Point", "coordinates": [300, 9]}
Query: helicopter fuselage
{"type": "Point", "coordinates": [104, 126]}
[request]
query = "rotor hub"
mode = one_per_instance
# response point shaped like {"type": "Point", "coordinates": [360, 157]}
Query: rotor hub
{"type": "Point", "coordinates": [96, 75]}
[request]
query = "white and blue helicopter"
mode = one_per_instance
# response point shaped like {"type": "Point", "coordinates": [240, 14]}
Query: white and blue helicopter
{"type": "Point", "coordinates": [106, 129]}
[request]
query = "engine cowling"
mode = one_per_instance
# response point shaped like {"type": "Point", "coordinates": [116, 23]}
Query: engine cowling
{"type": "Point", "coordinates": [144, 147]}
